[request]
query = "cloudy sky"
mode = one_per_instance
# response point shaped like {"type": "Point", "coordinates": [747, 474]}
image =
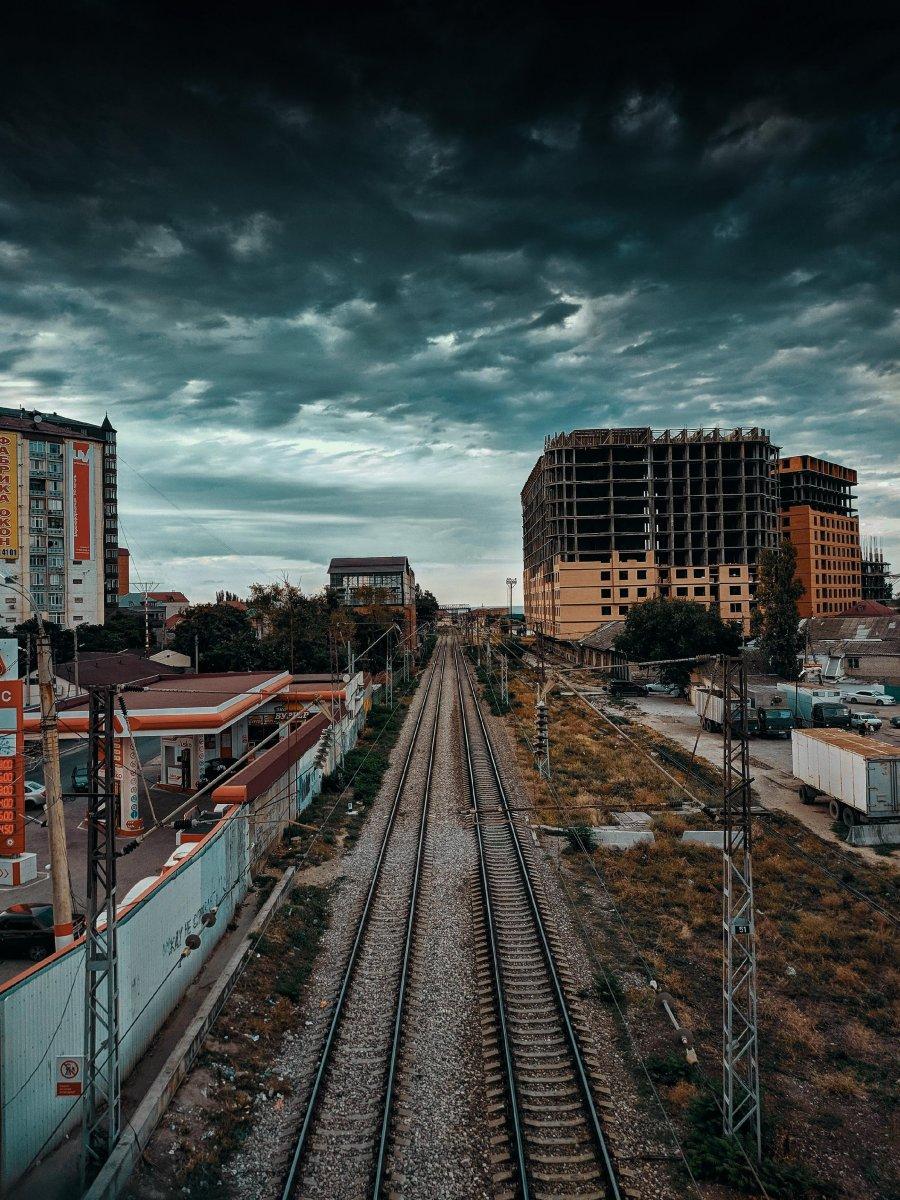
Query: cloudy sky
{"type": "Point", "coordinates": [334, 272]}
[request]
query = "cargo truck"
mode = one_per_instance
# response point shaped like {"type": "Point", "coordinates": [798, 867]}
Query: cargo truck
{"type": "Point", "coordinates": [774, 720]}
{"type": "Point", "coordinates": [859, 777]}
{"type": "Point", "coordinates": [815, 708]}
{"type": "Point", "coordinates": [710, 708]}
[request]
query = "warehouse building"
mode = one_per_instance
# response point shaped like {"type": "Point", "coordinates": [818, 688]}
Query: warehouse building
{"type": "Point", "coordinates": [363, 583]}
{"type": "Point", "coordinates": [59, 530]}
{"type": "Point", "coordinates": [612, 517]}
{"type": "Point", "coordinates": [818, 518]}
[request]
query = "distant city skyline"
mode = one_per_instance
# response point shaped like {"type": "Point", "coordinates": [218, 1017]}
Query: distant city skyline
{"type": "Point", "coordinates": [334, 272]}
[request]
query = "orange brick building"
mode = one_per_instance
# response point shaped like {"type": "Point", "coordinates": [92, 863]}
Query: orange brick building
{"type": "Point", "coordinates": [818, 518]}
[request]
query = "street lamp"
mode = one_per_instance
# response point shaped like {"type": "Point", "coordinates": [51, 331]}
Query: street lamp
{"type": "Point", "coordinates": [63, 930]}
{"type": "Point", "coordinates": [510, 584]}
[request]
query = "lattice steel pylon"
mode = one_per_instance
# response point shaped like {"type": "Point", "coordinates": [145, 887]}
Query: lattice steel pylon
{"type": "Point", "coordinates": [102, 1103]}
{"type": "Point", "coordinates": [740, 1048]}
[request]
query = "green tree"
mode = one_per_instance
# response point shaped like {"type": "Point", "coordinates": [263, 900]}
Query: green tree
{"type": "Point", "coordinates": [224, 637]}
{"type": "Point", "coordinates": [122, 631]}
{"type": "Point", "coordinates": [672, 629]}
{"type": "Point", "coordinates": [61, 642]}
{"type": "Point", "coordinates": [776, 620]}
{"type": "Point", "coordinates": [426, 606]}
{"type": "Point", "coordinates": [296, 628]}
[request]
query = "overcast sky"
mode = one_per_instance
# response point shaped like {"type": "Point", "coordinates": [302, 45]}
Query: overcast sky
{"type": "Point", "coordinates": [334, 274]}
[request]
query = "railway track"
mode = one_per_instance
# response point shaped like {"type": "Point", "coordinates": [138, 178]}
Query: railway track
{"type": "Point", "coordinates": [341, 1145]}
{"type": "Point", "coordinates": [544, 1090]}
{"type": "Point", "coordinates": [543, 1093]}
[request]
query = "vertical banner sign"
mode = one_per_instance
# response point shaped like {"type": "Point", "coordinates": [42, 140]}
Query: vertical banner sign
{"type": "Point", "coordinates": [9, 495]}
{"type": "Point", "coordinates": [81, 458]}
{"type": "Point", "coordinates": [12, 770]}
{"type": "Point", "coordinates": [127, 771]}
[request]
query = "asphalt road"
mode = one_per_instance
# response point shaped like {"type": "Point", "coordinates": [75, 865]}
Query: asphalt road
{"type": "Point", "coordinates": [770, 760]}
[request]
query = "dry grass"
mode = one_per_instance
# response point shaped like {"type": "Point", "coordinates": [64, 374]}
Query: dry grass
{"type": "Point", "coordinates": [828, 964]}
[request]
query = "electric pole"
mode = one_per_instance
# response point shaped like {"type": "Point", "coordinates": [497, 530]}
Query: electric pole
{"type": "Point", "coordinates": [504, 680]}
{"type": "Point", "coordinates": [196, 653]}
{"type": "Point", "coordinates": [56, 823]}
{"type": "Point", "coordinates": [75, 636]}
{"type": "Point", "coordinates": [102, 1104]}
{"type": "Point", "coordinates": [740, 1050]}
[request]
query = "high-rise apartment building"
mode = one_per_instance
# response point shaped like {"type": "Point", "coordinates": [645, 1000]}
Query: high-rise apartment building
{"type": "Point", "coordinates": [615, 516]}
{"type": "Point", "coordinates": [818, 517]}
{"type": "Point", "coordinates": [59, 528]}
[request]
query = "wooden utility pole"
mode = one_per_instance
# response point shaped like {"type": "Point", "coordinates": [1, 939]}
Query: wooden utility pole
{"type": "Point", "coordinates": [63, 932]}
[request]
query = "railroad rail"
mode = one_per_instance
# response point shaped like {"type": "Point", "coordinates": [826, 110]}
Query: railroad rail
{"type": "Point", "coordinates": [348, 1109]}
{"type": "Point", "coordinates": [542, 1084]}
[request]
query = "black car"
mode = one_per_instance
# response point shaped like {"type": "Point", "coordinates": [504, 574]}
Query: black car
{"type": "Point", "coordinates": [625, 687]}
{"type": "Point", "coordinates": [895, 722]}
{"type": "Point", "coordinates": [26, 931]}
{"type": "Point", "coordinates": [214, 768]}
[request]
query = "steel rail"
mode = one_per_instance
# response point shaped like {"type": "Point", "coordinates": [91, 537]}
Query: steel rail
{"type": "Point", "coordinates": [407, 950]}
{"type": "Point", "coordinates": [515, 1115]}
{"type": "Point", "coordinates": [349, 970]}
{"type": "Point", "coordinates": [596, 1127]}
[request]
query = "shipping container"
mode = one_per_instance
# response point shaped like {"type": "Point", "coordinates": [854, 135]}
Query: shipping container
{"type": "Point", "coordinates": [859, 776]}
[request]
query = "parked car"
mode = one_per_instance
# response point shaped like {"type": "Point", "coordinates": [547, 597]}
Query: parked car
{"type": "Point", "coordinates": [624, 687]}
{"type": "Point", "coordinates": [213, 768]}
{"type": "Point", "coordinates": [81, 781]}
{"type": "Point", "coordinates": [895, 722]}
{"type": "Point", "coordinates": [866, 696]}
{"type": "Point", "coordinates": [26, 931]}
{"type": "Point", "coordinates": [865, 722]}
{"type": "Point", "coordinates": [35, 794]}
{"type": "Point", "coordinates": [663, 689]}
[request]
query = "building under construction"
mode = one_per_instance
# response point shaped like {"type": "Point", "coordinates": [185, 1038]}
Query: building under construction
{"type": "Point", "coordinates": [818, 517]}
{"type": "Point", "coordinates": [615, 516]}
{"type": "Point", "coordinates": [876, 572]}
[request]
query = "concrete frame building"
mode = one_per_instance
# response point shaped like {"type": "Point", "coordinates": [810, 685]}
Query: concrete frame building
{"type": "Point", "coordinates": [59, 530]}
{"type": "Point", "coordinates": [612, 517]}
{"type": "Point", "coordinates": [818, 518]}
{"type": "Point", "coordinates": [876, 571]}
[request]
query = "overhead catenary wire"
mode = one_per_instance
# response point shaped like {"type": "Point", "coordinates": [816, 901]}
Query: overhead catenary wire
{"type": "Point", "coordinates": [651, 975]}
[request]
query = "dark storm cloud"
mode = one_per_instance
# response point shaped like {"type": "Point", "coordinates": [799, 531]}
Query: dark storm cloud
{"type": "Point", "coordinates": [336, 272]}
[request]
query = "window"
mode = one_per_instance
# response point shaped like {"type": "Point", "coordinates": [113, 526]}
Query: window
{"type": "Point", "coordinates": [623, 609]}
{"type": "Point", "coordinates": [735, 608]}
{"type": "Point", "coordinates": [55, 505]}
{"type": "Point", "coordinates": [37, 522]}
{"type": "Point", "coordinates": [734, 591]}
{"type": "Point", "coordinates": [605, 610]}
{"type": "Point", "coordinates": [78, 581]}
{"type": "Point", "coordinates": [681, 574]}
{"type": "Point", "coordinates": [681, 591]}
{"type": "Point", "coordinates": [642, 574]}
{"type": "Point", "coordinates": [56, 599]}
{"type": "Point", "coordinates": [642, 591]}
{"type": "Point", "coordinates": [853, 663]}
{"type": "Point", "coordinates": [623, 593]}
{"type": "Point", "coordinates": [605, 593]}
{"type": "Point", "coordinates": [78, 618]}
{"type": "Point", "coordinates": [605, 576]}
{"type": "Point", "coordinates": [623, 575]}
{"type": "Point", "coordinates": [39, 598]}
{"type": "Point", "coordinates": [54, 450]}
{"type": "Point", "coordinates": [37, 448]}
{"type": "Point", "coordinates": [56, 579]}
{"type": "Point", "coordinates": [77, 599]}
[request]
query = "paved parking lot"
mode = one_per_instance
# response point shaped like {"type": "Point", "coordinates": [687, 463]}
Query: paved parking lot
{"type": "Point", "coordinates": [770, 759]}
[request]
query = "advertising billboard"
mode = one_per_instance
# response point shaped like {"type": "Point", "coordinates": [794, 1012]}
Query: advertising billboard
{"type": "Point", "coordinates": [81, 463]}
{"type": "Point", "coordinates": [9, 495]}
{"type": "Point", "coordinates": [12, 770]}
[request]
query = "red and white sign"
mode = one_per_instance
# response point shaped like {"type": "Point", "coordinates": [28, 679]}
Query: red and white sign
{"type": "Point", "coordinates": [12, 770]}
{"type": "Point", "coordinates": [69, 1075]}
{"type": "Point", "coordinates": [81, 458]}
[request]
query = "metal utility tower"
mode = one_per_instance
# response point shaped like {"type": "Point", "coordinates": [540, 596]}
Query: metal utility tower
{"type": "Point", "coordinates": [740, 1050]}
{"type": "Point", "coordinates": [102, 1104]}
{"type": "Point", "coordinates": [510, 584]}
{"type": "Point", "coordinates": [504, 679]}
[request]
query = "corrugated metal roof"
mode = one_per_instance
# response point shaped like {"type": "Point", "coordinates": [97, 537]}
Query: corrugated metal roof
{"type": "Point", "coordinates": [603, 636]}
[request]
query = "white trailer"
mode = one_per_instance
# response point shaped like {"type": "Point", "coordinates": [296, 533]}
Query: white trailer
{"type": "Point", "coordinates": [709, 706]}
{"type": "Point", "coordinates": [859, 776]}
